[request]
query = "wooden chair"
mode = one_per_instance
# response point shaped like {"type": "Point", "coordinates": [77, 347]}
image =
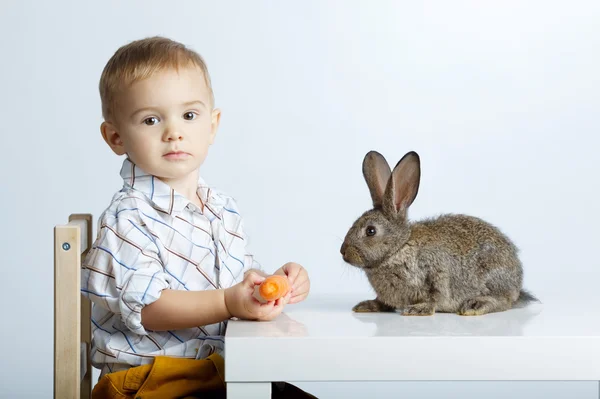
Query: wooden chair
{"type": "Point", "coordinates": [72, 311]}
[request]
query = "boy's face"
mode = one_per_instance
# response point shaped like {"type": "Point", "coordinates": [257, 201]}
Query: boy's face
{"type": "Point", "coordinates": [164, 123]}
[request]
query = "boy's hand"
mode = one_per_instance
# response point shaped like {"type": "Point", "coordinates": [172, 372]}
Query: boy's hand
{"type": "Point", "coordinates": [240, 301]}
{"type": "Point", "coordinates": [257, 271]}
{"type": "Point", "coordinates": [299, 281]}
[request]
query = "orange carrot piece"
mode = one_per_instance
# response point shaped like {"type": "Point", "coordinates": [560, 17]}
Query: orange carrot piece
{"type": "Point", "coordinates": [274, 287]}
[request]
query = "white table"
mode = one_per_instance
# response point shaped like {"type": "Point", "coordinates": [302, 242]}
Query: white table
{"type": "Point", "coordinates": [321, 339]}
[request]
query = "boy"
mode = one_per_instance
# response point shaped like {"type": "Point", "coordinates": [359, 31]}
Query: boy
{"type": "Point", "coordinates": [169, 266]}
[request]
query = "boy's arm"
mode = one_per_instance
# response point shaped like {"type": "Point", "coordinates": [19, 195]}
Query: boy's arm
{"type": "Point", "coordinates": [177, 309]}
{"type": "Point", "coordinates": [124, 273]}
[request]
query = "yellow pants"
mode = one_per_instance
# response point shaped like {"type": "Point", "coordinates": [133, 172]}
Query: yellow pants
{"type": "Point", "coordinates": [170, 378]}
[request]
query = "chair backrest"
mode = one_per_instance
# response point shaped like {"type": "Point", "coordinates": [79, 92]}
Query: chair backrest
{"type": "Point", "coordinates": [72, 311]}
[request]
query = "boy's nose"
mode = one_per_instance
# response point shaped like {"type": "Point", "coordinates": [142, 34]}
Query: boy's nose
{"type": "Point", "coordinates": [172, 134]}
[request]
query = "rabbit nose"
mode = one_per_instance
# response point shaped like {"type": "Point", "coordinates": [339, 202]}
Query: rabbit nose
{"type": "Point", "coordinates": [343, 249]}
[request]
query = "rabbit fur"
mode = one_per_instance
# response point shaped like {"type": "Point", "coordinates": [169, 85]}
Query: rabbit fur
{"type": "Point", "coordinates": [451, 263]}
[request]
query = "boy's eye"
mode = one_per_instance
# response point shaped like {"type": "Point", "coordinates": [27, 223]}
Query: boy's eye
{"type": "Point", "coordinates": [189, 116]}
{"type": "Point", "coordinates": [151, 121]}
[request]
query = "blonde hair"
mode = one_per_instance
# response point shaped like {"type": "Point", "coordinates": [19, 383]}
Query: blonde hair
{"type": "Point", "coordinates": [139, 60]}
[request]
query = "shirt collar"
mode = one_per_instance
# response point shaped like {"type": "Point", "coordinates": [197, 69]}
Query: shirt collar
{"type": "Point", "coordinates": [161, 194]}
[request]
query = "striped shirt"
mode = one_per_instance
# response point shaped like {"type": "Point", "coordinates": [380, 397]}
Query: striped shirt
{"type": "Point", "coordinates": [149, 239]}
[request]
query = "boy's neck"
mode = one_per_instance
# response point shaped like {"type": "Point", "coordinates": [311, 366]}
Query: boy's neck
{"type": "Point", "coordinates": [186, 186]}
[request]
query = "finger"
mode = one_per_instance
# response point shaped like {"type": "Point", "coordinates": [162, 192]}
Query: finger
{"type": "Point", "coordinates": [292, 270]}
{"type": "Point", "coordinates": [277, 309]}
{"type": "Point", "coordinates": [254, 278]}
{"type": "Point", "coordinates": [302, 287]}
{"type": "Point", "coordinates": [257, 300]}
{"type": "Point", "coordinates": [301, 284]}
{"type": "Point", "coordinates": [261, 302]}
{"type": "Point", "coordinates": [263, 309]}
{"type": "Point", "coordinates": [279, 305]}
{"type": "Point", "coordinates": [286, 299]}
{"type": "Point", "coordinates": [266, 316]}
{"type": "Point", "coordinates": [298, 298]}
{"type": "Point", "coordinates": [250, 271]}
{"type": "Point", "coordinates": [301, 291]}
{"type": "Point", "coordinates": [283, 300]}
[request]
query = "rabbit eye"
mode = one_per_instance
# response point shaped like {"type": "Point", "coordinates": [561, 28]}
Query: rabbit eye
{"type": "Point", "coordinates": [371, 231]}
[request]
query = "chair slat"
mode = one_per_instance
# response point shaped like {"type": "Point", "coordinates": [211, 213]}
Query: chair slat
{"type": "Point", "coordinates": [72, 311]}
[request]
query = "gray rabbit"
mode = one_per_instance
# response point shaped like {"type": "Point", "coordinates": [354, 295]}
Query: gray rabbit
{"type": "Point", "coordinates": [451, 263]}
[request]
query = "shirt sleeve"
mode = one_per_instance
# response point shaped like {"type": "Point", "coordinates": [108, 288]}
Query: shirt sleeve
{"type": "Point", "coordinates": [123, 271]}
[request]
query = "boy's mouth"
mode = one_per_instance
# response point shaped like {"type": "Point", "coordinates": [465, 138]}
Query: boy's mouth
{"type": "Point", "coordinates": [176, 155]}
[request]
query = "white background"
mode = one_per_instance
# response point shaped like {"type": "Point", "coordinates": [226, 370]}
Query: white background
{"type": "Point", "coordinates": [500, 99]}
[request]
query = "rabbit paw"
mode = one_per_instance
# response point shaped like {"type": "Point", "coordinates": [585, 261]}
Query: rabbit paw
{"type": "Point", "coordinates": [372, 305]}
{"type": "Point", "coordinates": [474, 307]}
{"type": "Point", "coordinates": [419, 309]}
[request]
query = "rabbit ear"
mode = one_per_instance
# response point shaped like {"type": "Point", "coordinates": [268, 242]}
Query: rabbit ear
{"type": "Point", "coordinates": [377, 173]}
{"type": "Point", "coordinates": [402, 186]}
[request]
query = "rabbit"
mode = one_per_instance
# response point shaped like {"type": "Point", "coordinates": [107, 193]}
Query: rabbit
{"type": "Point", "coordinates": [451, 263]}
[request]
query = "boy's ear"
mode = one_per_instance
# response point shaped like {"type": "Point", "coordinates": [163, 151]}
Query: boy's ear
{"type": "Point", "coordinates": [112, 137]}
{"type": "Point", "coordinates": [214, 124]}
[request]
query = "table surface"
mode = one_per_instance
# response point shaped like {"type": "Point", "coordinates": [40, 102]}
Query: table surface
{"type": "Point", "coordinates": [321, 339]}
